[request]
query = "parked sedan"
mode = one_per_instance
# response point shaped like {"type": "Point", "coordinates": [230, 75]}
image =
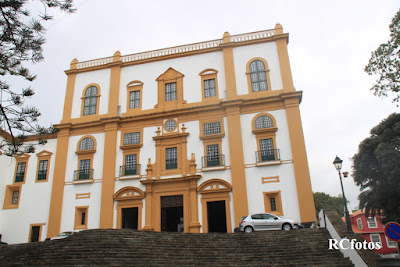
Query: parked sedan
{"type": "Point", "coordinates": [62, 235]}
{"type": "Point", "coordinates": [266, 221]}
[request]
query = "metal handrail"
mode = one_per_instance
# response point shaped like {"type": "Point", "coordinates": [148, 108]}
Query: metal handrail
{"type": "Point", "coordinates": [213, 161]}
{"type": "Point", "coordinates": [133, 169]}
{"type": "Point", "coordinates": [267, 155]}
{"type": "Point", "coordinates": [84, 174]}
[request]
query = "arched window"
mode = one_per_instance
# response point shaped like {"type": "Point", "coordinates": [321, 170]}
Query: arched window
{"type": "Point", "coordinates": [258, 76]}
{"type": "Point", "coordinates": [90, 101]}
{"type": "Point", "coordinates": [86, 144]}
{"type": "Point", "coordinates": [263, 122]}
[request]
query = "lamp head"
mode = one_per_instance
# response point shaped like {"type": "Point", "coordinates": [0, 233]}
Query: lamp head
{"type": "Point", "coordinates": [338, 163]}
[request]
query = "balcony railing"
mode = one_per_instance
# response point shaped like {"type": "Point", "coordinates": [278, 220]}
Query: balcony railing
{"type": "Point", "coordinates": [133, 169]}
{"type": "Point", "coordinates": [83, 174]}
{"type": "Point", "coordinates": [42, 175]}
{"type": "Point", "coordinates": [171, 164]}
{"type": "Point", "coordinates": [213, 161]}
{"type": "Point", "coordinates": [267, 155]}
{"type": "Point", "coordinates": [19, 177]}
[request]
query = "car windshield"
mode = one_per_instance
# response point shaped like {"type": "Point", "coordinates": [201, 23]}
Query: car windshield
{"type": "Point", "coordinates": [65, 234]}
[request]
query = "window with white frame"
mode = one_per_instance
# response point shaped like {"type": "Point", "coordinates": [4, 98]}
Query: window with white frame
{"type": "Point", "coordinates": [372, 222]}
{"type": "Point", "coordinates": [132, 138]}
{"type": "Point", "coordinates": [212, 128]}
{"type": "Point", "coordinates": [390, 243]}
{"type": "Point", "coordinates": [375, 238]}
{"type": "Point", "coordinates": [359, 223]}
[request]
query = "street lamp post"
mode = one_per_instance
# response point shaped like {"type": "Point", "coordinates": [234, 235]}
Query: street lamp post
{"type": "Point", "coordinates": [338, 166]}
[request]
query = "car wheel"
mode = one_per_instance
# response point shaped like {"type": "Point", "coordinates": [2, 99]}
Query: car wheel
{"type": "Point", "coordinates": [248, 229]}
{"type": "Point", "coordinates": [286, 227]}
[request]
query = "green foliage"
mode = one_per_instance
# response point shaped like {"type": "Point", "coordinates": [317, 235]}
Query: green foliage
{"type": "Point", "coordinates": [385, 62]}
{"type": "Point", "coordinates": [323, 200]}
{"type": "Point", "coordinates": [21, 41]}
{"type": "Point", "coordinates": [376, 169]}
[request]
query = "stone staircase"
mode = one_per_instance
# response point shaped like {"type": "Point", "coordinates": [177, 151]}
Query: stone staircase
{"type": "Point", "coordinates": [112, 247]}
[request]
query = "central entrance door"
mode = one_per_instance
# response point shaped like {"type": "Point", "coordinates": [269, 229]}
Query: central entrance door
{"type": "Point", "coordinates": [216, 215]}
{"type": "Point", "coordinates": [172, 213]}
{"type": "Point", "coordinates": [130, 218]}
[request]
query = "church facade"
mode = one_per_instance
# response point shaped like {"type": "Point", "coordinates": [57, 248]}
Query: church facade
{"type": "Point", "coordinates": [188, 138]}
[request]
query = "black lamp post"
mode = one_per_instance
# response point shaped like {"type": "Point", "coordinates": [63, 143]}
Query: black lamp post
{"type": "Point", "coordinates": [338, 166]}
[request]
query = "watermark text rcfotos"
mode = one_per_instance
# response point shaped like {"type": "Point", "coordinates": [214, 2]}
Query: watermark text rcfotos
{"type": "Point", "coordinates": [346, 244]}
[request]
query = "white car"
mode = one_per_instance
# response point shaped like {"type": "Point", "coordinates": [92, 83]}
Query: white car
{"type": "Point", "coordinates": [266, 221]}
{"type": "Point", "coordinates": [63, 235]}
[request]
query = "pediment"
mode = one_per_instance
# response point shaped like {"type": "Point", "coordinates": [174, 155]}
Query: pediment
{"type": "Point", "coordinates": [170, 74]}
{"type": "Point", "coordinates": [214, 185]}
{"type": "Point", "coordinates": [23, 156]}
{"type": "Point", "coordinates": [44, 153]}
{"type": "Point", "coordinates": [128, 193]}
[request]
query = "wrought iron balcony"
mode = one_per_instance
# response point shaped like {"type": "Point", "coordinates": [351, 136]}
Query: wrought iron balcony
{"type": "Point", "coordinates": [83, 174]}
{"type": "Point", "coordinates": [42, 175]}
{"type": "Point", "coordinates": [213, 161]}
{"type": "Point", "coordinates": [133, 169]}
{"type": "Point", "coordinates": [267, 155]}
{"type": "Point", "coordinates": [171, 164]}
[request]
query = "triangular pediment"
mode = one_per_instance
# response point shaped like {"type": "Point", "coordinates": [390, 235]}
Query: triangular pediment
{"type": "Point", "coordinates": [170, 74]}
{"type": "Point", "coordinates": [44, 153]}
{"type": "Point", "coordinates": [23, 156]}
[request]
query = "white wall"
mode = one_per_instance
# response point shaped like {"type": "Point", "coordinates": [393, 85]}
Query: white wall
{"type": "Point", "coordinates": [190, 67]}
{"type": "Point", "coordinates": [242, 56]}
{"type": "Point", "coordinates": [34, 200]}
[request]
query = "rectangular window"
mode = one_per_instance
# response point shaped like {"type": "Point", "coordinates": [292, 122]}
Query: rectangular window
{"type": "Point", "coordinates": [170, 91]}
{"type": "Point", "coordinates": [42, 172]}
{"type": "Point", "coordinates": [372, 222]}
{"type": "Point", "coordinates": [134, 99]}
{"type": "Point", "coordinates": [130, 164]}
{"type": "Point", "coordinates": [213, 156]}
{"type": "Point", "coordinates": [209, 88]}
{"type": "Point", "coordinates": [272, 204]}
{"type": "Point", "coordinates": [359, 223]}
{"type": "Point", "coordinates": [15, 196]}
{"type": "Point", "coordinates": [375, 238]}
{"type": "Point", "coordinates": [19, 177]}
{"type": "Point", "coordinates": [132, 138]}
{"type": "Point", "coordinates": [84, 169]}
{"type": "Point", "coordinates": [81, 217]}
{"type": "Point", "coordinates": [171, 156]}
{"type": "Point", "coordinates": [267, 149]}
{"type": "Point", "coordinates": [390, 243]}
{"type": "Point", "coordinates": [212, 128]}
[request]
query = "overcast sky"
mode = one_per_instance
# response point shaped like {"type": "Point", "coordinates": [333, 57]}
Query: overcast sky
{"type": "Point", "coordinates": [330, 42]}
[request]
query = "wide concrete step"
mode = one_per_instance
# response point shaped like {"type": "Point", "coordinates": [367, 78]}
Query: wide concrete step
{"type": "Point", "coordinates": [111, 247]}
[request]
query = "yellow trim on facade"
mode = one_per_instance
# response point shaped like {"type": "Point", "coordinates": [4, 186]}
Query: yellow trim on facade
{"type": "Point", "coordinates": [170, 76]}
{"type": "Point", "coordinates": [278, 202]}
{"type": "Point", "coordinates": [108, 182]}
{"type": "Point", "coordinates": [300, 162]}
{"type": "Point", "coordinates": [229, 65]}
{"type": "Point", "coordinates": [129, 197]}
{"type": "Point", "coordinates": [273, 179]}
{"type": "Point", "coordinates": [69, 93]}
{"type": "Point", "coordinates": [40, 231]}
{"type": "Point", "coordinates": [83, 195]}
{"type": "Point", "coordinates": [267, 70]}
{"type": "Point", "coordinates": [43, 155]}
{"type": "Point", "coordinates": [23, 158]}
{"type": "Point", "coordinates": [57, 193]}
{"type": "Point", "coordinates": [78, 217]}
{"type": "Point", "coordinates": [9, 194]}
{"type": "Point", "coordinates": [209, 74]}
{"type": "Point", "coordinates": [91, 116]}
{"type": "Point", "coordinates": [284, 64]}
{"type": "Point", "coordinates": [115, 78]}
